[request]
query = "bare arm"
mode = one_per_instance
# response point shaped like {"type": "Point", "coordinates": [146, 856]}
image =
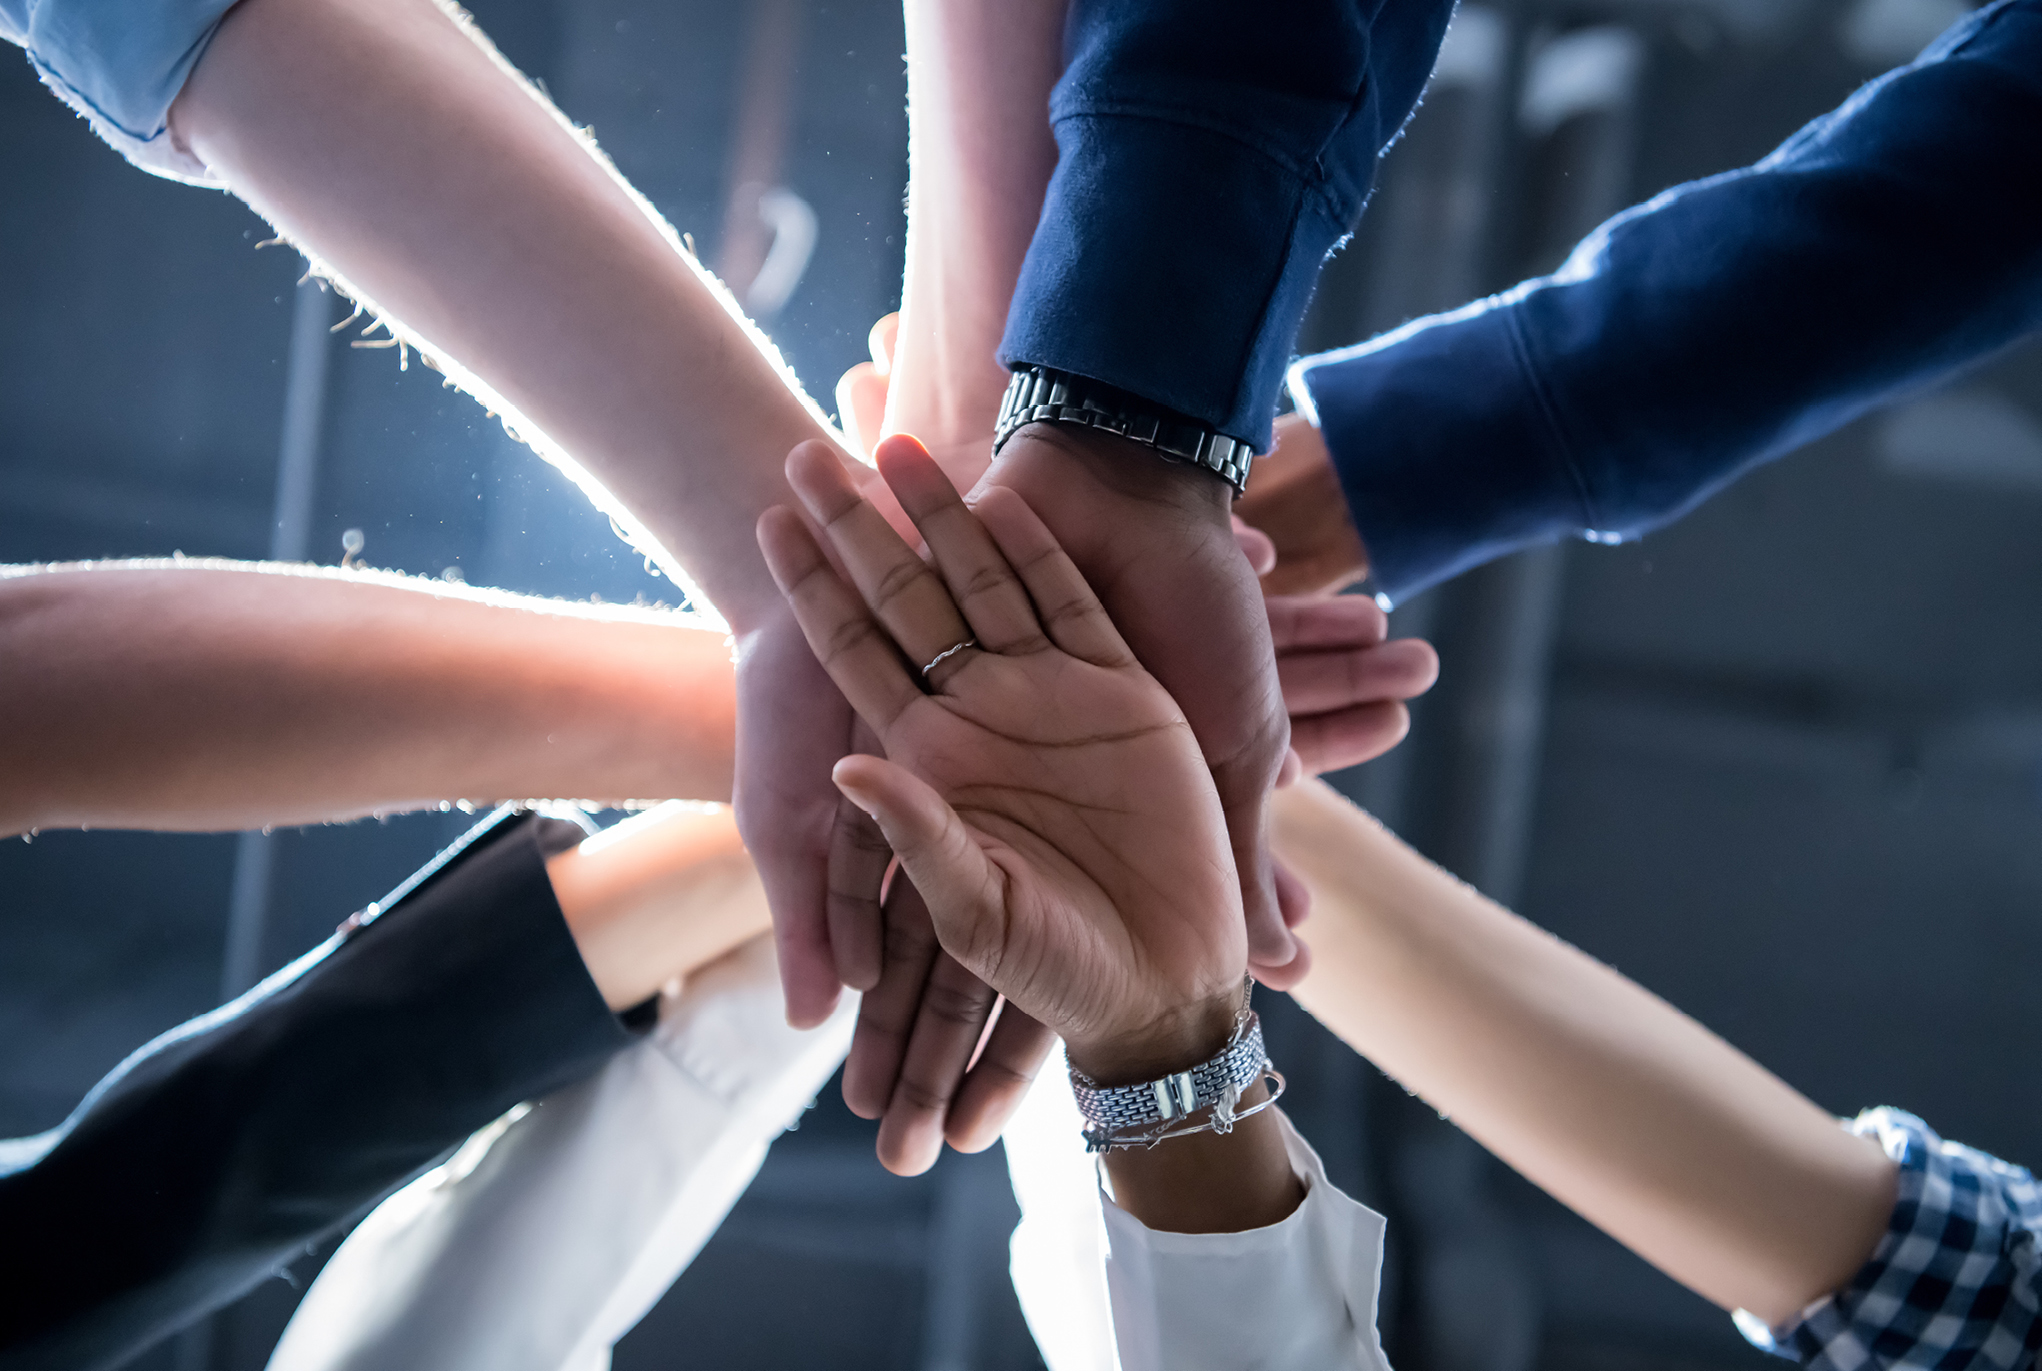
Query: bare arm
{"type": "Point", "coordinates": [210, 695]}
{"type": "Point", "coordinates": [1623, 1108]}
{"type": "Point", "coordinates": [392, 144]}
{"type": "Point", "coordinates": [658, 897]}
{"type": "Point", "coordinates": [980, 154]}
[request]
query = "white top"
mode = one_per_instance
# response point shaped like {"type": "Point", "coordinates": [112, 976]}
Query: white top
{"type": "Point", "coordinates": [553, 1231]}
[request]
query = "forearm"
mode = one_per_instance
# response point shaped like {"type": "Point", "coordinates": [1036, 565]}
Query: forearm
{"type": "Point", "coordinates": [980, 155]}
{"type": "Point", "coordinates": [657, 898]}
{"type": "Point", "coordinates": [224, 695]}
{"type": "Point", "coordinates": [395, 148]}
{"type": "Point", "coordinates": [1637, 1117]}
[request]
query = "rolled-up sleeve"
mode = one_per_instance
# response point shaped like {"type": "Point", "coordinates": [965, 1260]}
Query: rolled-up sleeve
{"type": "Point", "coordinates": [120, 64]}
{"type": "Point", "coordinates": [1881, 250]}
{"type": "Point", "coordinates": [1210, 155]}
{"type": "Point", "coordinates": [1955, 1282]}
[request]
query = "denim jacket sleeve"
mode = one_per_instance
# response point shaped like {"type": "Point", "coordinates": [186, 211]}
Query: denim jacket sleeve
{"type": "Point", "coordinates": [1883, 248]}
{"type": "Point", "coordinates": [1210, 155]}
{"type": "Point", "coordinates": [216, 1153]}
{"type": "Point", "coordinates": [120, 64]}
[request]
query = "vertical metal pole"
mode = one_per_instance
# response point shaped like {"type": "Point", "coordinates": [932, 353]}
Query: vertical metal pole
{"type": "Point", "coordinates": [312, 318]}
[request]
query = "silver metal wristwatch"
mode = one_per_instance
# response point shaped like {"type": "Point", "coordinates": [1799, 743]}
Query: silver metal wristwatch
{"type": "Point", "coordinates": [1143, 1115]}
{"type": "Point", "coordinates": [1041, 394]}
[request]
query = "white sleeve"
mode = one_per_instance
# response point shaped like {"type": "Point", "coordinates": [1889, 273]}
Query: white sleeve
{"type": "Point", "coordinates": [1102, 1292]}
{"type": "Point", "coordinates": [1297, 1294]}
{"type": "Point", "coordinates": [552, 1232]}
{"type": "Point", "coordinates": [1059, 1247]}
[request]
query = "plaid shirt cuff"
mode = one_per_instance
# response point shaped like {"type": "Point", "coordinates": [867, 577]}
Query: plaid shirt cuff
{"type": "Point", "coordinates": [1956, 1282]}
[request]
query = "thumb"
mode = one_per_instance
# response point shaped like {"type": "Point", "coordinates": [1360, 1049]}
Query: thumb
{"type": "Point", "coordinates": [936, 850]}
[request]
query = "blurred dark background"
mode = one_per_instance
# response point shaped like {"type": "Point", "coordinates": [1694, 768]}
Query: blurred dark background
{"type": "Point", "coordinates": [1782, 762]}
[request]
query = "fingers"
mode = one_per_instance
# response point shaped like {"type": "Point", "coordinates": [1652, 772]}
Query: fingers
{"type": "Point", "coordinates": [984, 586]}
{"type": "Point", "coordinates": [886, 1014]}
{"type": "Point", "coordinates": [1349, 737]}
{"type": "Point", "coordinates": [885, 333]}
{"type": "Point", "coordinates": [905, 595]}
{"type": "Point", "coordinates": [1070, 613]}
{"type": "Point", "coordinates": [858, 861]}
{"type": "Point", "coordinates": [1347, 707]}
{"type": "Point", "coordinates": [861, 405]}
{"type": "Point", "coordinates": [994, 1087]}
{"type": "Point", "coordinates": [851, 647]}
{"type": "Point", "coordinates": [1293, 769]}
{"type": "Point", "coordinates": [1304, 623]}
{"type": "Point", "coordinates": [955, 1010]}
{"type": "Point", "coordinates": [1317, 682]}
{"type": "Point", "coordinates": [792, 725]}
{"type": "Point", "coordinates": [955, 877]}
{"type": "Point", "coordinates": [1270, 945]}
{"type": "Point", "coordinates": [862, 391]}
{"type": "Point", "coordinates": [1293, 896]}
{"type": "Point", "coordinates": [1244, 783]}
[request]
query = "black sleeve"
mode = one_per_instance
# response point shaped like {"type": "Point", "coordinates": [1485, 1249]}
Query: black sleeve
{"type": "Point", "coordinates": [219, 1151]}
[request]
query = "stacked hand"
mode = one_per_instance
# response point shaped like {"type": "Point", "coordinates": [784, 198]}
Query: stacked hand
{"type": "Point", "coordinates": [1154, 542]}
{"type": "Point", "coordinates": [1039, 786]}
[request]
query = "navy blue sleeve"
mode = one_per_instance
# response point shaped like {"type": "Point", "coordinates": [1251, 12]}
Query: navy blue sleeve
{"type": "Point", "coordinates": [1210, 155]}
{"type": "Point", "coordinates": [1882, 249]}
{"type": "Point", "coordinates": [214, 1155]}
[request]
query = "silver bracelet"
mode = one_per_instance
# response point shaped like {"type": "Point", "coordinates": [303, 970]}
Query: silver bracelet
{"type": "Point", "coordinates": [1148, 1113]}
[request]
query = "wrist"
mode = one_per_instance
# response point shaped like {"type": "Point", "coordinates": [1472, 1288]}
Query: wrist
{"type": "Point", "coordinates": [1176, 1040]}
{"type": "Point", "coordinates": [1052, 458]}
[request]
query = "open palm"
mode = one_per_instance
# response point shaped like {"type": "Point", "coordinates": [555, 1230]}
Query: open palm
{"type": "Point", "coordinates": [1044, 793]}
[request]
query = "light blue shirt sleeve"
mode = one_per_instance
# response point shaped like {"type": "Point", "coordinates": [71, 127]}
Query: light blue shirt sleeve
{"type": "Point", "coordinates": [120, 64]}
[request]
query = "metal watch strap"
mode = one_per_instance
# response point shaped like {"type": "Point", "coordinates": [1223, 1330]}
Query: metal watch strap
{"type": "Point", "coordinates": [1041, 394]}
{"type": "Point", "coordinates": [1112, 1110]}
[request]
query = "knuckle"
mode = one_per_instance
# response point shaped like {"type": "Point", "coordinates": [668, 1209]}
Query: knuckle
{"type": "Point", "coordinates": [846, 638]}
{"type": "Point", "coordinates": [880, 1034]}
{"type": "Point", "coordinates": [908, 941]}
{"type": "Point", "coordinates": [860, 837]}
{"type": "Point", "coordinates": [898, 580]}
{"type": "Point", "coordinates": [919, 1097]}
{"type": "Point", "coordinates": [987, 580]}
{"type": "Point", "coordinates": [947, 1002]}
